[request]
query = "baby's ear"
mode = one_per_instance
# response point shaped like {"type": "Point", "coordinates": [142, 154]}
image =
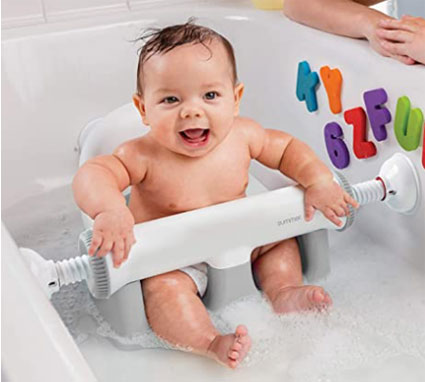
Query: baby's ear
{"type": "Point", "coordinates": [140, 106]}
{"type": "Point", "coordinates": [238, 92]}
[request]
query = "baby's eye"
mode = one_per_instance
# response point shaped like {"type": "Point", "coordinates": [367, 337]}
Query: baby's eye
{"type": "Point", "coordinates": [170, 99]}
{"type": "Point", "coordinates": [211, 95]}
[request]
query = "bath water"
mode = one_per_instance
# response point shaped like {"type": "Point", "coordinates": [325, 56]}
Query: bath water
{"type": "Point", "coordinates": [378, 312]}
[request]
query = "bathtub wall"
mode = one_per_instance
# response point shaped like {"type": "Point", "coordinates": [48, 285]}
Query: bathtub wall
{"type": "Point", "coordinates": [20, 13]}
{"type": "Point", "coordinates": [59, 76]}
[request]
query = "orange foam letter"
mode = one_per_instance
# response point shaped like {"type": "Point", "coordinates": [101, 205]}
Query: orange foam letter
{"type": "Point", "coordinates": [332, 80]}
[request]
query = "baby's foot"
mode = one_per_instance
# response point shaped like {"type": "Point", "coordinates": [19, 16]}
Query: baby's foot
{"type": "Point", "coordinates": [301, 298]}
{"type": "Point", "coordinates": [231, 349]}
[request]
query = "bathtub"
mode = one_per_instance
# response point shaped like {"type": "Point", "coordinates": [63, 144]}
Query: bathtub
{"type": "Point", "coordinates": [57, 77]}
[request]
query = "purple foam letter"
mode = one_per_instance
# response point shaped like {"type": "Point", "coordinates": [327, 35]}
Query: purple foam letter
{"type": "Point", "coordinates": [378, 115]}
{"type": "Point", "coordinates": [337, 149]}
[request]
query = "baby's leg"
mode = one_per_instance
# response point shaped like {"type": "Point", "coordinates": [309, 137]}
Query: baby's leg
{"type": "Point", "coordinates": [176, 314]}
{"type": "Point", "coordinates": [277, 268]}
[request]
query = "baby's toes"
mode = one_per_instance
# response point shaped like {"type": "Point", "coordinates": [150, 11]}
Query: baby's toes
{"type": "Point", "coordinates": [233, 355]}
{"type": "Point", "coordinates": [327, 300]}
{"type": "Point", "coordinates": [318, 295]}
{"type": "Point", "coordinates": [241, 331]}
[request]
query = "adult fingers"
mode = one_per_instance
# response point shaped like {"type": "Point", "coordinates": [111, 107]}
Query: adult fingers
{"type": "Point", "coordinates": [96, 242]}
{"type": "Point", "coordinates": [398, 51]}
{"type": "Point", "coordinates": [409, 18]}
{"type": "Point", "coordinates": [403, 24]}
{"type": "Point", "coordinates": [404, 59]}
{"type": "Point", "coordinates": [394, 35]}
{"type": "Point", "coordinates": [395, 49]}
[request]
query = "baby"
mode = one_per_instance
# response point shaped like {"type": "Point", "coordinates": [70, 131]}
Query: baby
{"type": "Point", "coordinates": [196, 154]}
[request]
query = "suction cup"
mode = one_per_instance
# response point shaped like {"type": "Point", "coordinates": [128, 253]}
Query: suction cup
{"type": "Point", "coordinates": [403, 191]}
{"type": "Point", "coordinates": [43, 270]}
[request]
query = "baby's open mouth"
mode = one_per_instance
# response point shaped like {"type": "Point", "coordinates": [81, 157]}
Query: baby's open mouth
{"type": "Point", "coordinates": [195, 137]}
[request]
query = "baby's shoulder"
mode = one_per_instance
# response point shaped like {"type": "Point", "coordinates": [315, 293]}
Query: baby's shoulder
{"type": "Point", "coordinates": [134, 155]}
{"type": "Point", "coordinates": [134, 148]}
{"type": "Point", "coordinates": [252, 133]}
{"type": "Point", "coordinates": [247, 126]}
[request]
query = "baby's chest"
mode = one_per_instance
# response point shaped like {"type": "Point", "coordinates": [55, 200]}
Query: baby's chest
{"type": "Point", "coordinates": [181, 188]}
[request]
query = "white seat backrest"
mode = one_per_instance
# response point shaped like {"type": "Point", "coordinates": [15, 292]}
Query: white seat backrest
{"type": "Point", "coordinates": [101, 136]}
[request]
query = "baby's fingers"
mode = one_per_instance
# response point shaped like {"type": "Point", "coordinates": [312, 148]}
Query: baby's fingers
{"type": "Point", "coordinates": [118, 252]}
{"type": "Point", "coordinates": [128, 244]}
{"type": "Point", "coordinates": [96, 242]}
{"type": "Point", "coordinates": [106, 247]}
{"type": "Point", "coordinates": [350, 200]}
{"type": "Point", "coordinates": [330, 214]}
{"type": "Point", "coordinates": [345, 208]}
{"type": "Point", "coordinates": [309, 212]}
{"type": "Point", "coordinates": [339, 211]}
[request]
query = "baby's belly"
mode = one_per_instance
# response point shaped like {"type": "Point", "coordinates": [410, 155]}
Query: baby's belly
{"type": "Point", "coordinates": [147, 207]}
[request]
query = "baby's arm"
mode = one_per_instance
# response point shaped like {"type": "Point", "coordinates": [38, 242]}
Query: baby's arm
{"type": "Point", "coordinates": [295, 159]}
{"type": "Point", "coordinates": [98, 187]}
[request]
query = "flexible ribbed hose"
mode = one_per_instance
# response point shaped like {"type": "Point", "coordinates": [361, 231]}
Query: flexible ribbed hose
{"type": "Point", "coordinates": [368, 192]}
{"type": "Point", "coordinates": [73, 270]}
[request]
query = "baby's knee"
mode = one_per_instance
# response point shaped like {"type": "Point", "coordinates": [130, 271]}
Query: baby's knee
{"type": "Point", "coordinates": [169, 282]}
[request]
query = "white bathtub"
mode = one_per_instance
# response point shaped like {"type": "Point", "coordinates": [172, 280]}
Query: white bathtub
{"type": "Point", "coordinates": [57, 77]}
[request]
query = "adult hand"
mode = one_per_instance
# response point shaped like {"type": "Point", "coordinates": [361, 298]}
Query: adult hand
{"type": "Point", "coordinates": [378, 42]}
{"type": "Point", "coordinates": [404, 37]}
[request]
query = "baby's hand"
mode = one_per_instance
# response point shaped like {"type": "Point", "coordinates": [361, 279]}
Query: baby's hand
{"type": "Point", "coordinates": [403, 38]}
{"type": "Point", "coordinates": [329, 198]}
{"type": "Point", "coordinates": [113, 231]}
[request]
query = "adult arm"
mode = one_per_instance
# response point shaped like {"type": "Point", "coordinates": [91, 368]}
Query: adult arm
{"type": "Point", "coordinates": [351, 18]}
{"type": "Point", "coordinates": [344, 17]}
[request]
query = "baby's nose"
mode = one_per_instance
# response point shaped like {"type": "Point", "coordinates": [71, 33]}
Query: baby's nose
{"type": "Point", "coordinates": [191, 111]}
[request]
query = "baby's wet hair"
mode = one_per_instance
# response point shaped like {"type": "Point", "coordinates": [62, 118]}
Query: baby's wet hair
{"type": "Point", "coordinates": [160, 41]}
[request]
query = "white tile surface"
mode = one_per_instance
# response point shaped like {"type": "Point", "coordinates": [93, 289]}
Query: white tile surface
{"type": "Point", "coordinates": [22, 12]}
{"type": "Point", "coordinates": [21, 8]}
{"type": "Point", "coordinates": [71, 7]}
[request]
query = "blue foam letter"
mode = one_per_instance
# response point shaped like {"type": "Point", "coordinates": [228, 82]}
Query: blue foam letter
{"type": "Point", "coordinates": [306, 85]}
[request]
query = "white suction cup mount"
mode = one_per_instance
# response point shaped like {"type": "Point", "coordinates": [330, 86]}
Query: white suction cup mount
{"type": "Point", "coordinates": [403, 191]}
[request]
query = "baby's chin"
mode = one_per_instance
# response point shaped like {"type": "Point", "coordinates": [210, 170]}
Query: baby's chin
{"type": "Point", "coordinates": [195, 153]}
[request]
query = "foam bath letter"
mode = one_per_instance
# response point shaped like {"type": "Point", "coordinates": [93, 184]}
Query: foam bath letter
{"type": "Point", "coordinates": [306, 85]}
{"type": "Point", "coordinates": [337, 149]}
{"type": "Point", "coordinates": [423, 149]}
{"type": "Point", "coordinates": [408, 124]}
{"type": "Point", "coordinates": [378, 115]}
{"type": "Point", "coordinates": [332, 79]}
{"type": "Point", "coordinates": [362, 148]}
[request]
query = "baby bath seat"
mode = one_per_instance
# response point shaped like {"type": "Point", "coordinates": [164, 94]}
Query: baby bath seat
{"type": "Point", "coordinates": [223, 235]}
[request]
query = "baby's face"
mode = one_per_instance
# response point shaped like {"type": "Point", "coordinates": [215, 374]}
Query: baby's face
{"type": "Point", "coordinates": [189, 98]}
